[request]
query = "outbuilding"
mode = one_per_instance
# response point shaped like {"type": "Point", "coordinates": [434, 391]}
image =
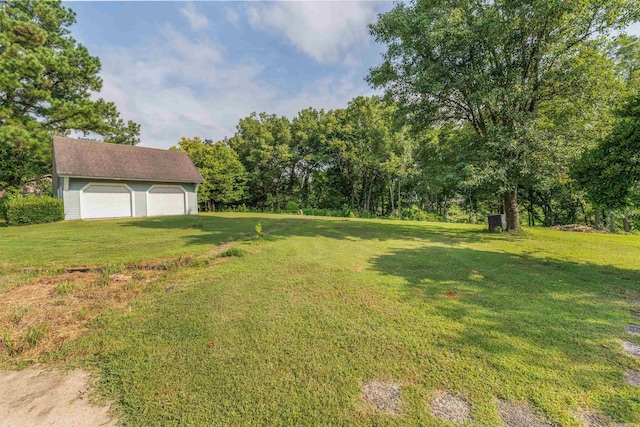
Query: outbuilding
{"type": "Point", "coordinates": [102, 180]}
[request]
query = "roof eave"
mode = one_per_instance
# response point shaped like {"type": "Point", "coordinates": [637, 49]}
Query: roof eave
{"type": "Point", "coordinates": [68, 175]}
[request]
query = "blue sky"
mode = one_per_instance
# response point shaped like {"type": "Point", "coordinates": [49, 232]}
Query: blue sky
{"type": "Point", "coordinates": [194, 68]}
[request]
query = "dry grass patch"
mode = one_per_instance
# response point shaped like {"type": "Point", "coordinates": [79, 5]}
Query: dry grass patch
{"type": "Point", "coordinates": [515, 415]}
{"type": "Point", "coordinates": [451, 408]}
{"type": "Point", "coordinates": [577, 227]}
{"type": "Point", "coordinates": [595, 419]}
{"type": "Point", "coordinates": [42, 315]}
{"type": "Point", "coordinates": [632, 378]}
{"type": "Point", "coordinates": [383, 395]}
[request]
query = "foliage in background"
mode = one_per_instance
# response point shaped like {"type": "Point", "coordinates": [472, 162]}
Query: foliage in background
{"type": "Point", "coordinates": [505, 69]}
{"type": "Point", "coordinates": [224, 176]}
{"type": "Point", "coordinates": [33, 210]}
{"type": "Point", "coordinates": [610, 172]}
{"type": "Point", "coordinates": [47, 83]}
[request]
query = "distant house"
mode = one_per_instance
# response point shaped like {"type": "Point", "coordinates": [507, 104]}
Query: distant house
{"type": "Point", "coordinates": [34, 187]}
{"type": "Point", "coordinates": [101, 180]}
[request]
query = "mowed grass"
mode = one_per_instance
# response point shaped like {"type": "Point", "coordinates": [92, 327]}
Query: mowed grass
{"type": "Point", "coordinates": [288, 333]}
{"type": "Point", "coordinates": [91, 243]}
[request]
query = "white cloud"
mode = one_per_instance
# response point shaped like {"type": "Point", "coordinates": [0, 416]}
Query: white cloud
{"type": "Point", "coordinates": [178, 86]}
{"type": "Point", "coordinates": [323, 30]}
{"type": "Point", "coordinates": [197, 21]}
{"type": "Point", "coordinates": [233, 16]}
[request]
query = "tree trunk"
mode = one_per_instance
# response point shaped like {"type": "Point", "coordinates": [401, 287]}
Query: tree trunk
{"type": "Point", "coordinates": [391, 196]}
{"type": "Point", "coordinates": [612, 223]}
{"type": "Point", "coordinates": [598, 223]}
{"type": "Point", "coordinates": [511, 209]}
{"type": "Point", "coordinates": [398, 204]}
{"type": "Point", "coordinates": [626, 223]}
{"type": "Point", "coordinates": [584, 213]}
{"type": "Point", "coordinates": [445, 209]}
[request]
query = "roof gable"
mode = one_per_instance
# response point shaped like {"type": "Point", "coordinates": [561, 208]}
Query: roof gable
{"type": "Point", "coordinates": [93, 159]}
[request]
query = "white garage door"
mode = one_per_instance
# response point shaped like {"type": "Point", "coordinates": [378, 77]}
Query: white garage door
{"type": "Point", "coordinates": [165, 200]}
{"type": "Point", "coordinates": [105, 201]}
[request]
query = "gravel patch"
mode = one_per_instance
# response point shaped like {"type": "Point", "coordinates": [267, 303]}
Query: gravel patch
{"type": "Point", "coordinates": [633, 329]}
{"type": "Point", "coordinates": [632, 378]}
{"type": "Point", "coordinates": [635, 313]}
{"type": "Point", "coordinates": [515, 415]}
{"type": "Point", "coordinates": [631, 348]}
{"type": "Point", "coordinates": [384, 396]}
{"type": "Point", "coordinates": [451, 408]}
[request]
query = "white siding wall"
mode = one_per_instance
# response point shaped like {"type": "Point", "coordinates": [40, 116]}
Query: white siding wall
{"type": "Point", "coordinates": [71, 197]}
{"type": "Point", "coordinates": [192, 199]}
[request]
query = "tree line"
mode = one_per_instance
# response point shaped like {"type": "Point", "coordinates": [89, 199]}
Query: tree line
{"type": "Point", "coordinates": [527, 108]}
{"type": "Point", "coordinates": [489, 106]}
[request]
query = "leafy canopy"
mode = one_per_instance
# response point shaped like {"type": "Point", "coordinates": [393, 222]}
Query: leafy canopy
{"type": "Point", "coordinates": [46, 83]}
{"type": "Point", "coordinates": [224, 176]}
{"type": "Point", "coordinates": [610, 172]}
{"type": "Point", "coordinates": [501, 67]}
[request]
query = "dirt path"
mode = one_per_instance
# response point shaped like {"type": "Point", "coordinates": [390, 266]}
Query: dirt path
{"type": "Point", "coordinates": [36, 397]}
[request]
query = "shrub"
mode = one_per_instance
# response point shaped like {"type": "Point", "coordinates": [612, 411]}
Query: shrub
{"type": "Point", "coordinates": [292, 207]}
{"type": "Point", "coordinates": [233, 251]}
{"type": "Point", "coordinates": [413, 213]}
{"type": "Point", "coordinates": [33, 210]}
{"type": "Point", "coordinates": [259, 232]}
{"type": "Point", "coordinates": [11, 193]}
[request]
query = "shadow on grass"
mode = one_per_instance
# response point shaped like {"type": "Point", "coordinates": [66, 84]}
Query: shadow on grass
{"type": "Point", "coordinates": [216, 227]}
{"type": "Point", "coordinates": [538, 319]}
{"type": "Point", "coordinates": [524, 327]}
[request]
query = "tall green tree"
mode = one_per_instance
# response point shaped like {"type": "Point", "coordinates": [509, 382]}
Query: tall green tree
{"type": "Point", "coordinates": [610, 172]}
{"type": "Point", "coordinates": [224, 176]}
{"type": "Point", "coordinates": [495, 64]}
{"type": "Point", "coordinates": [263, 144]}
{"type": "Point", "coordinates": [46, 84]}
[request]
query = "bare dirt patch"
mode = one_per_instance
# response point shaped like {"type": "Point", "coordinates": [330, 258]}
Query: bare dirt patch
{"type": "Point", "coordinates": [515, 415]}
{"type": "Point", "coordinates": [34, 397]}
{"type": "Point", "coordinates": [383, 395]}
{"type": "Point", "coordinates": [452, 295]}
{"type": "Point", "coordinates": [577, 228]}
{"type": "Point", "coordinates": [218, 250]}
{"type": "Point", "coordinates": [633, 329]}
{"type": "Point", "coordinates": [632, 378]}
{"type": "Point", "coordinates": [631, 349]}
{"type": "Point", "coordinates": [594, 419]}
{"type": "Point", "coordinates": [451, 408]}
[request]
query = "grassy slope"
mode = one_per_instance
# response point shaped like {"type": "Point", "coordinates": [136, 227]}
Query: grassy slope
{"type": "Point", "coordinates": [327, 304]}
{"type": "Point", "coordinates": [79, 243]}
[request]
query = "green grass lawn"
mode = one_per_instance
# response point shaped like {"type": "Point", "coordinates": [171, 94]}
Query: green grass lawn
{"type": "Point", "coordinates": [288, 333]}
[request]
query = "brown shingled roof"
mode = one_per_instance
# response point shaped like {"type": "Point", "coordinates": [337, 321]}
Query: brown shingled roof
{"type": "Point", "coordinates": [92, 159]}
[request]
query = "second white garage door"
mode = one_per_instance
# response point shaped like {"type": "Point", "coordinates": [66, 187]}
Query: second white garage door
{"type": "Point", "coordinates": [165, 200]}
